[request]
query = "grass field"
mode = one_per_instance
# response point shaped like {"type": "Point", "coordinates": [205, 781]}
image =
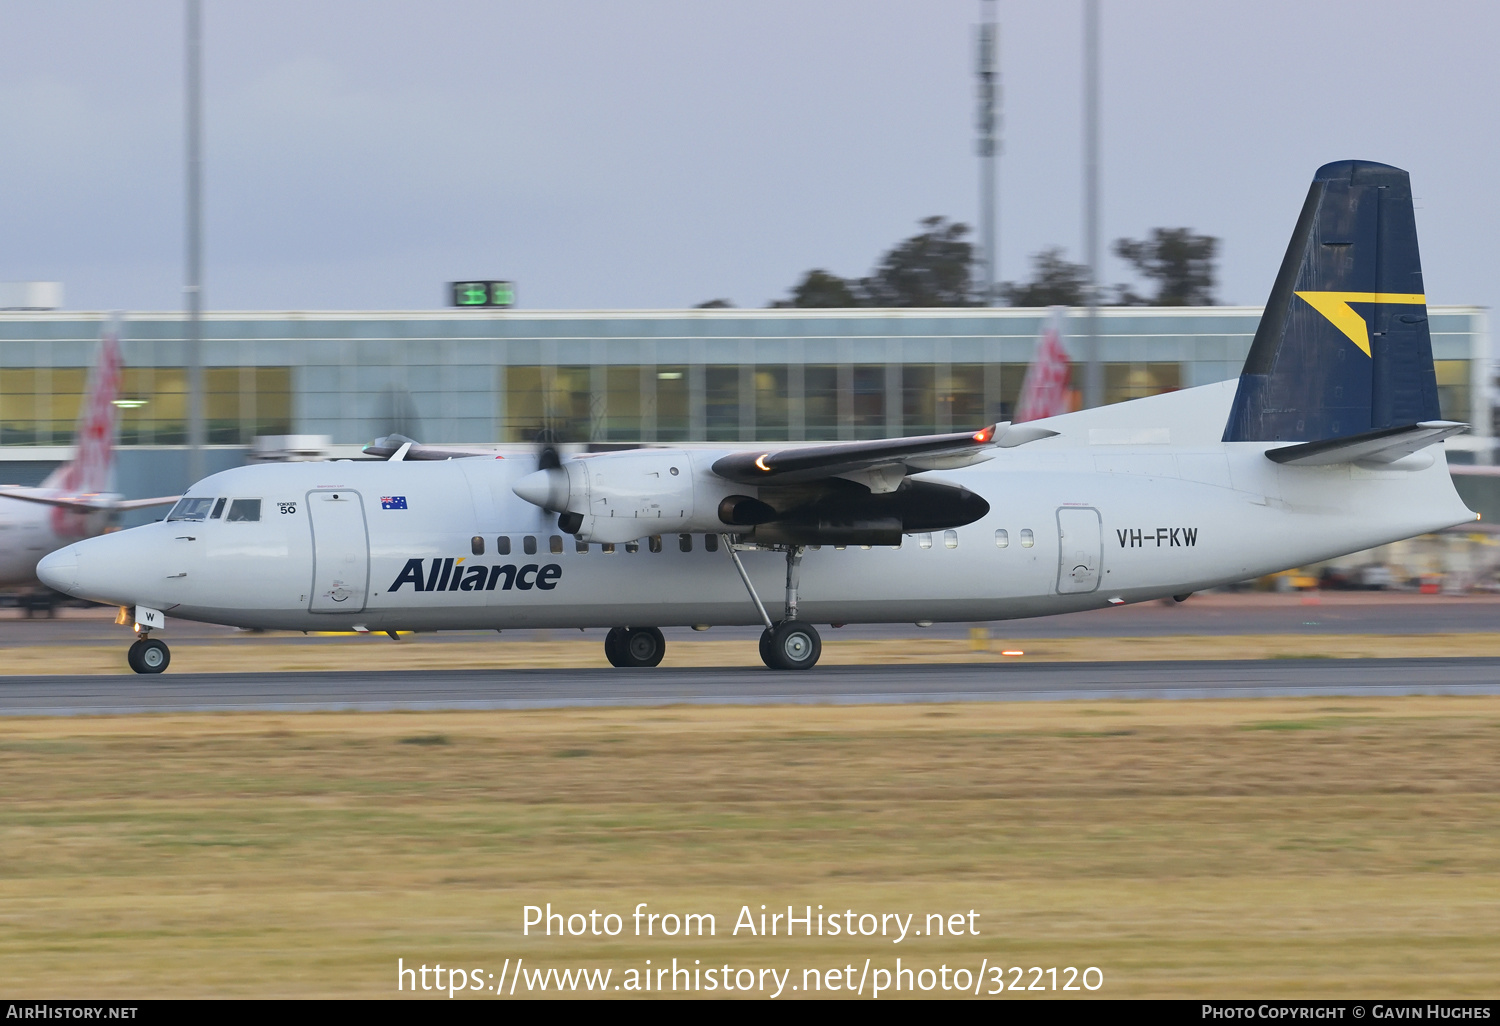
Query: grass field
{"type": "Point", "coordinates": [261, 654]}
{"type": "Point", "coordinates": [1277, 847]}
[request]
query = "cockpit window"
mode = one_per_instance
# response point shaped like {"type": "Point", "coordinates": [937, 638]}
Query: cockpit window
{"type": "Point", "coordinates": [218, 510]}
{"type": "Point", "coordinates": [244, 510]}
{"type": "Point", "coordinates": [190, 509]}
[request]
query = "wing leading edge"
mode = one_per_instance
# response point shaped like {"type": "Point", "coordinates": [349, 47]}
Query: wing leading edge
{"type": "Point", "coordinates": [879, 464]}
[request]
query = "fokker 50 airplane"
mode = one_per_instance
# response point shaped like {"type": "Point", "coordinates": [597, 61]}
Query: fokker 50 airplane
{"type": "Point", "coordinates": [1326, 444]}
{"type": "Point", "coordinates": [74, 501]}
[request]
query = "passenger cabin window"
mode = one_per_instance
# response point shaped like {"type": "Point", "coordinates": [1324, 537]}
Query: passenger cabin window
{"type": "Point", "coordinates": [608, 548]}
{"type": "Point", "coordinates": [924, 541]}
{"type": "Point", "coordinates": [685, 542]}
{"type": "Point", "coordinates": [654, 543]}
{"type": "Point", "coordinates": [1027, 538]}
{"type": "Point", "coordinates": [476, 545]}
{"type": "Point", "coordinates": [632, 546]}
{"type": "Point", "coordinates": [243, 511]}
{"type": "Point", "coordinates": [554, 545]}
{"type": "Point", "coordinates": [1002, 538]}
{"type": "Point", "coordinates": [502, 545]}
{"type": "Point", "coordinates": [580, 545]}
{"type": "Point", "coordinates": [950, 539]}
{"type": "Point", "coordinates": [190, 509]}
{"type": "Point", "coordinates": [528, 545]}
{"type": "Point", "coordinates": [710, 543]}
{"type": "Point", "coordinates": [218, 510]}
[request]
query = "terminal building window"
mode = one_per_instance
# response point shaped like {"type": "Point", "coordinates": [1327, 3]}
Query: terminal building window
{"type": "Point", "coordinates": [960, 401]}
{"type": "Point", "coordinates": [1453, 389]}
{"type": "Point", "coordinates": [673, 404]}
{"type": "Point", "coordinates": [772, 403]}
{"type": "Point", "coordinates": [549, 402]}
{"type": "Point", "coordinates": [622, 409]}
{"type": "Point", "coordinates": [820, 402]}
{"type": "Point", "coordinates": [919, 400]}
{"type": "Point", "coordinates": [40, 405]}
{"type": "Point", "coordinates": [868, 413]}
{"type": "Point", "coordinates": [721, 403]}
{"type": "Point", "coordinates": [735, 404]}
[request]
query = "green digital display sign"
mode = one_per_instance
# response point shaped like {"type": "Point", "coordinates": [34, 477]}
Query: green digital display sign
{"type": "Point", "coordinates": [484, 293]}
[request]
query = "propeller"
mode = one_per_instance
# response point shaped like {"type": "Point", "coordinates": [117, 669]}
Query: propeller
{"type": "Point", "coordinates": [549, 487]}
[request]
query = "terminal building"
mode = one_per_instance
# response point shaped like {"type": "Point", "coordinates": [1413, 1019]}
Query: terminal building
{"type": "Point", "coordinates": [610, 377]}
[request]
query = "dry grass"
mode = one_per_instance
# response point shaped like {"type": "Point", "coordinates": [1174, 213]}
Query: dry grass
{"type": "Point", "coordinates": [379, 653]}
{"type": "Point", "coordinates": [1278, 847]}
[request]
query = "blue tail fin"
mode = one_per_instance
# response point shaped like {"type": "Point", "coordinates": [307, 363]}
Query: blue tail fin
{"type": "Point", "coordinates": [1343, 345]}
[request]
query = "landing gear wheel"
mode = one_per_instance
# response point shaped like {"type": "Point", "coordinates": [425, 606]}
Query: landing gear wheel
{"type": "Point", "coordinates": [612, 646]}
{"type": "Point", "coordinates": [765, 645]}
{"type": "Point", "coordinates": [641, 646]}
{"type": "Point", "coordinates": [791, 645]}
{"type": "Point", "coordinates": [148, 656]}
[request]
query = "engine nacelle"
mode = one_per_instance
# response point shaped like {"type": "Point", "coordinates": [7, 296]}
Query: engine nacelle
{"type": "Point", "coordinates": [623, 496]}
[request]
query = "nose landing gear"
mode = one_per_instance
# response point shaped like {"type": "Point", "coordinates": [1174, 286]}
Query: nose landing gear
{"type": "Point", "coordinates": [148, 655]}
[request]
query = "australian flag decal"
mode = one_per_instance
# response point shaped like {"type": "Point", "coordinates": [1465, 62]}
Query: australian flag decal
{"type": "Point", "coordinates": [393, 502]}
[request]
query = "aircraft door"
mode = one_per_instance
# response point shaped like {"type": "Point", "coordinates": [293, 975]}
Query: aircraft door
{"type": "Point", "coordinates": [1079, 550]}
{"type": "Point", "coordinates": [341, 551]}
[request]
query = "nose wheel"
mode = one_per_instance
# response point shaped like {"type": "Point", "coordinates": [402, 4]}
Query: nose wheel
{"type": "Point", "coordinates": [790, 645]}
{"type": "Point", "coordinates": [148, 656]}
{"type": "Point", "coordinates": [634, 646]}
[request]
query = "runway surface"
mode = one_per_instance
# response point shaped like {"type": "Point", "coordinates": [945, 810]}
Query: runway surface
{"type": "Point", "coordinates": [1213, 613]}
{"type": "Point", "coordinates": [536, 689]}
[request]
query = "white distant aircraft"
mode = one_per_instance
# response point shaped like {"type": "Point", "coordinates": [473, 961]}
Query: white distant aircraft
{"type": "Point", "coordinates": [1325, 445]}
{"type": "Point", "coordinates": [74, 501]}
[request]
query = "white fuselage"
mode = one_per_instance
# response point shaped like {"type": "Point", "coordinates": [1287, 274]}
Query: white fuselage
{"type": "Point", "coordinates": [1116, 508]}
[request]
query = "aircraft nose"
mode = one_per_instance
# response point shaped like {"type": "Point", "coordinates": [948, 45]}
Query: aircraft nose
{"type": "Point", "coordinates": [59, 570]}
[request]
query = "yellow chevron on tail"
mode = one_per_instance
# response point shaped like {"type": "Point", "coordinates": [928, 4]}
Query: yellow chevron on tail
{"type": "Point", "coordinates": [1335, 306]}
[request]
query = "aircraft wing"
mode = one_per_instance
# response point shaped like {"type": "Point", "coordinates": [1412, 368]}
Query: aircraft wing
{"type": "Point", "coordinates": [1383, 445]}
{"type": "Point", "coordinates": [83, 503]}
{"type": "Point", "coordinates": [880, 464]}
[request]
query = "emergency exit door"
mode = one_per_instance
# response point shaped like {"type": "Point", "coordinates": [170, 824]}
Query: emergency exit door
{"type": "Point", "coordinates": [1079, 550]}
{"type": "Point", "coordinates": [341, 552]}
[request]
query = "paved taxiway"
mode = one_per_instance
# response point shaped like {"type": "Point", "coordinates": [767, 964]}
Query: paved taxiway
{"type": "Point", "coordinates": [534, 689]}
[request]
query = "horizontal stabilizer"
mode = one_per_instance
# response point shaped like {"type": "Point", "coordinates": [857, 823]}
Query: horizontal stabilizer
{"type": "Point", "coordinates": [891, 458]}
{"type": "Point", "coordinates": [1383, 445]}
{"type": "Point", "coordinates": [390, 446]}
{"type": "Point", "coordinates": [84, 503]}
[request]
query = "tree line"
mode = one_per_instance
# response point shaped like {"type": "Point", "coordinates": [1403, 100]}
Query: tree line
{"type": "Point", "coordinates": [937, 267]}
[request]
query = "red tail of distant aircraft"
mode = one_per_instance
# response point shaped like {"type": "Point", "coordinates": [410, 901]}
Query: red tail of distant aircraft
{"type": "Point", "coordinates": [78, 491]}
{"type": "Point", "coordinates": [1044, 393]}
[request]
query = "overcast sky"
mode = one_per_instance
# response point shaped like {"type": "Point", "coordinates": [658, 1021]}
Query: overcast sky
{"type": "Point", "coordinates": [659, 153]}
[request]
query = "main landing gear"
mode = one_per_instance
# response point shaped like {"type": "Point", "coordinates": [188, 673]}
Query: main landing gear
{"type": "Point", "coordinates": [634, 646]}
{"type": "Point", "coordinates": [789, 644]}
